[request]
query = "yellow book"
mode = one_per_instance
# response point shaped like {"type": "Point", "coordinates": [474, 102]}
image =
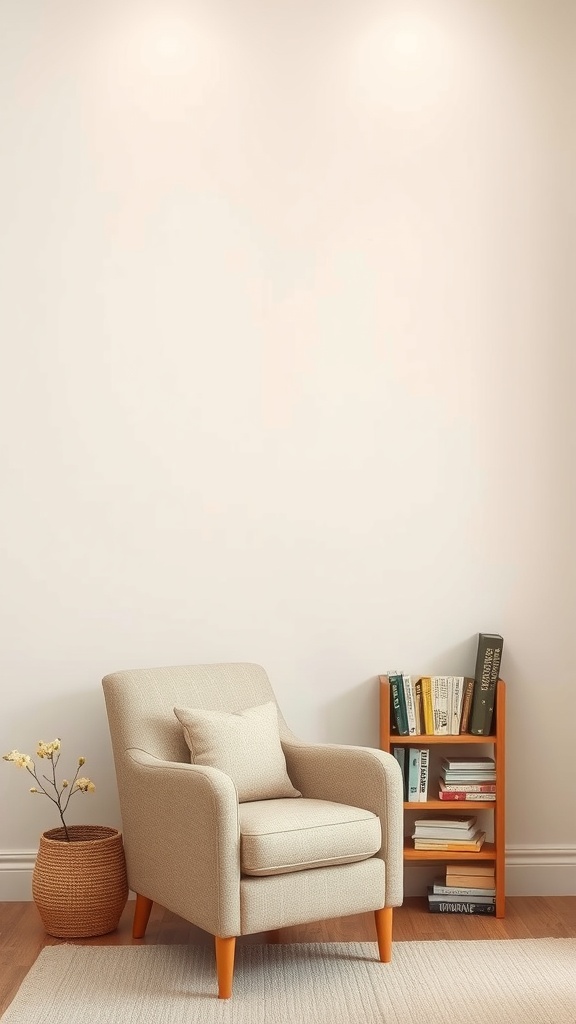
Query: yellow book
{"type": "Point", "coordinates": [427, 705]}
{"type": "Point", "coordinates": [466, 845]}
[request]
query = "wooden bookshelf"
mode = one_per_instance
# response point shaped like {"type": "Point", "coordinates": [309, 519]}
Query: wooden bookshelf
{"type": "Point", "coordinates": [494, 851]}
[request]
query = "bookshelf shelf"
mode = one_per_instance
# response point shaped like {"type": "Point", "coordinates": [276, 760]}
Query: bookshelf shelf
{"type": "Point", "coordinates": [492, 851]}
{"type": "Point", "coordinates": [451, 805]}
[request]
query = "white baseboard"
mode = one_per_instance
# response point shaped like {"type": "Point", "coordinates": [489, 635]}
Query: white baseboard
{"type": "Point", "coordinates": [530, 871]}
{"type": "Point", "coordinates": [16, 875]}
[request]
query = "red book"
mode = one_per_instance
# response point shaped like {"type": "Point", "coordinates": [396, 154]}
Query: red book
{"type": "Point", "coordinates": [449, 795]}
{"type": "Point", "coordinates": [467, 787]}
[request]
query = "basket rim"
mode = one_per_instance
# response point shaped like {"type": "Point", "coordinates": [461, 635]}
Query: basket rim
{"type": "Point", "coordinates": [103, 834]}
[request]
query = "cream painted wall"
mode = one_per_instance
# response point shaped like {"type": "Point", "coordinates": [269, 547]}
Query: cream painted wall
{"type": "Point", "coordinates": [287, 335]}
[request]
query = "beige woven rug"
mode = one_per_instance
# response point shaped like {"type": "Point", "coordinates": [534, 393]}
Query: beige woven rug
{"type": "Point", "coordinates": [513, 981]}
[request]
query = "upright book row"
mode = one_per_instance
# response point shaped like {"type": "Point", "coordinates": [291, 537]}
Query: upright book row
{"type": "Point", "coordinates": [449, 705]}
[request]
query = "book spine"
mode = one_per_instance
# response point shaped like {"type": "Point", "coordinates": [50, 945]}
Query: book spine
{"type": "Point", "coordinates": [456, 890]}
{"type": "Point", "coordinates": [409, 702]}
{"type": "Point", "coordinates": [486, 675]}
{"type": "Point", "coordinates": [440, 705]}
{"type": "Point", "coordinates": [446, 794]}
{"type": "Point", "coordinates": [451, 847]}
{"type": "Point", "coordinates": [448, 907]}
{"type": "Point", "coordinates": [466, 704]}
{"type": "Point", "coordinates": [413, 774]}
{"type": "Point", "coordinates": [400, 755]}
{"type": "Point", "coordinates": [451, 898]}
{"type": "Point", "coordinates": [427, 705]}
{"type": "Point", "coordinates": [423, 775]}
{"type": "Point", "coordinates": [398, 703]}
{"type": "Point", "coordinates": [460, 868]}
{"type": "Point", "coordinates": [469, 787]}
{"type": "Point", "coordinates": [456, 706]}
{"type": "Point", "coordinates": [420, 728]}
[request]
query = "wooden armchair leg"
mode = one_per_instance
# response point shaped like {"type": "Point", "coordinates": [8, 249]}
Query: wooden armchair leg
{"type": "Point", "coordinates": [225, 965]}
{"type": "Point", "coordinates": [383, 920]}
{"type": "Point", "coordinates": [141, 916]}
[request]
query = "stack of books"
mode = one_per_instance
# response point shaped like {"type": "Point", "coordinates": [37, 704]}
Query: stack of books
{"type": "Point", "coordinates": [465, 889]}
{"type": "Point", "coordinates": [467, 778]}
{"type": "Point", "coordinates": [448, 833]}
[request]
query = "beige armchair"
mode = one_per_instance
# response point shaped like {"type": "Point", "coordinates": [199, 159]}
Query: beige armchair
{"type": "Point", "coordinates": [200, 844]}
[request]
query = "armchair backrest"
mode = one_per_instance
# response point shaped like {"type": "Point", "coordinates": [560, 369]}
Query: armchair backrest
{"type": "Point", "coordinates": [140, 703]}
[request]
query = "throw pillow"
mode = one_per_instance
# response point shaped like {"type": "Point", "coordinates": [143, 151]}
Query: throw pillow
{"type": "Point", "coordinates": [245, 745]}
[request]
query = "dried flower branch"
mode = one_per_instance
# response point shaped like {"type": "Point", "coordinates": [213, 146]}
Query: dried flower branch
{"type": "Point", "coordinates": [51, 753]}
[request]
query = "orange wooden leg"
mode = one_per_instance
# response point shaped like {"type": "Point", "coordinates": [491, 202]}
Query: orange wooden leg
{"type": "Point", "coordinates": [383, 920]}
{"type": "Point", "coordinates": [141, 916]}
{"type": "Point", "coordinates": [225, 965]}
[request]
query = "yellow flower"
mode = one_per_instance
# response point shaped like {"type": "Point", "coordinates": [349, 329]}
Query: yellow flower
{"type": "Point", "coordinates": [33, 789]}
{"type": "Point", "coordinates": [20, 760]}
{"type": "Point", "coordinates": [85, 785]}
{"type": "Point", "coordinates": [81, 761]}
{"type": "Point", "coordinates": [48, 749]}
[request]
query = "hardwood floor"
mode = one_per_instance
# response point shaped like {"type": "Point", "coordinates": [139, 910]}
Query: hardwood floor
{"type": "Point", "coordinates": [22, 936]}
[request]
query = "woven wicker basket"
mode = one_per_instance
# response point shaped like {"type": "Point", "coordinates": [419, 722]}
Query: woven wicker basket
{"type": "Point", "coordinates": [80, 887]}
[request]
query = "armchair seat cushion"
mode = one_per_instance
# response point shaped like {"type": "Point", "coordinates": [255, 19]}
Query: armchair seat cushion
{"type": "Point", "coordinates": [279, 836]}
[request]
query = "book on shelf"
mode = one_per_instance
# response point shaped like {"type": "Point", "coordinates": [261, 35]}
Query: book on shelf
{"type": "Point", "coordinates": [486, 674]}
{"type": "Point", "coordinates": [450, 907]}
{"type": "Point", "coordinates": [469, 763]}
{"type": "Point", "coordinates": [427, 712]}
{"type": "Point", "coordinates": [472, 845]}
{"type": "Point", "coordinates": [435, 832]}
{"type": "Point", "coordinates": [455, 828]}
{"type": "Point", "coordinates": [440, 705]}
{"type": "Point", "coordinates": [470, 868]}
{"type": "Point", "coordinates": [418, 707]}
{"type": "Point", "coordinates": [451, 775]}
{"type": "Point", "coordinates": [400, 716]}
{"type": "Point", "coordinates": [410, 704]}
{"type": "Point", "coordinates": [449, 795]}
{"type": "Point", "coordinates": [400, 755]}
{"type": "Point", "coordinates": [485, 883]}
{"type": "Point", "coordinates": [456, 694]}
{"type": "Point", "coordinates": [466, 704]}
{"type": "Point", "coordinates": [423, 774]}
{"type": "Point", "coordinates": [468, 787]}
{"type": "Point", "coordinates": [458, 821]}
{"type": "Point", "coordinates": [452, 897]}
{"type": "Point", "coordinates": [439, 887]}
{"type": "Point", "coordinates": [413, 775]}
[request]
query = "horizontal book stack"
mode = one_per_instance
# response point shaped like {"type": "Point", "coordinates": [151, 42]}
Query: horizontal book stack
{"type": "Point", "coordinates": [467, 888]}
{"type": "Point", "coordinates": [467, 778]}
{"type": "Point", "coordinates": [448, 833]}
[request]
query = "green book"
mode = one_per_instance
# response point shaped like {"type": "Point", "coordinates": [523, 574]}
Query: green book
{"type": "Point", "coordinates": [487, 672]}
{"type": "Point", "coordinates": [396, 681]}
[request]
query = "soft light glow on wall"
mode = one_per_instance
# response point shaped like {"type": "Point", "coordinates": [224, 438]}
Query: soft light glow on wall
{"type": "Point", "coordinates": [405, 61]}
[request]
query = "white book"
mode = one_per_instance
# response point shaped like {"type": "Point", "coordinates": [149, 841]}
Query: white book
{"type": "Point", "coordinates": [449, 821]}
{"type": "Point", "coordinates": [440, 705]}
{"type": "Point", "coordinates": [413, 775]}
{"type": "Point", "coordinates": [410, 704]}
{"type": "Point", "coordinates": [423, 775]}
{"type": "Point", "coordinates": [456, 705]}
{"type": "Point", "coordinates": [435, 832]}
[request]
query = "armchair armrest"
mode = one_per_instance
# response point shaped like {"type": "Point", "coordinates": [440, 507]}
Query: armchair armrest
{"type": "Point", "coordinates": [182, 839]}
{"type": "Point", "coordinates": [360, 776]}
